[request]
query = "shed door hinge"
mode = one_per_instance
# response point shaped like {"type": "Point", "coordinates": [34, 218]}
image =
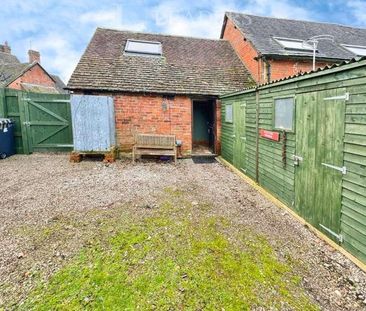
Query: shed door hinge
{"type": "Point", "coordinates": [339, 237]}
{"type": "Point", "coordinates": [344, 97]}
{"type": "Point", "coordinates": [342, 169]}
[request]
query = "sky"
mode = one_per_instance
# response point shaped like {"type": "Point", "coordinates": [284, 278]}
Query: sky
{"type": "Point", "coordinates": [61, 29]}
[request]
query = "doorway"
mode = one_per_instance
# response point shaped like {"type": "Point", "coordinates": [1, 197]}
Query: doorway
{"type": "Point", "coordinates": [203, 127]}
{"type": "Point", "coordinates": [319, 148]}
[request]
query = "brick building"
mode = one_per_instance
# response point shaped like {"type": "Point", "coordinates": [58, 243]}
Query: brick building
{"type": "Point", "coordinates": [29, 76]}
{"type": "Point", "coordinates": [274, 48]}
{"type": "Point", "coordinates": [161, 84]}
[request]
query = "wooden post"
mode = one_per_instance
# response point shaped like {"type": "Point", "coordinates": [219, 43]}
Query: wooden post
{"type": "Point", "coordinates": [2, 104]}
{"type": "Point", "coordinates": [257, 136]}
{"type": "Point", "coordinates": [23, 122]}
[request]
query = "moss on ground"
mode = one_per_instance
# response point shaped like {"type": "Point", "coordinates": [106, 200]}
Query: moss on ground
{"type": "Point", "coordinates": [179, 258]}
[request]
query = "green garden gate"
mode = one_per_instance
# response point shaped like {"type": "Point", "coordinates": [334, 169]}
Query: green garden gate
{"type": "Point", "coordinates": [42, 121]}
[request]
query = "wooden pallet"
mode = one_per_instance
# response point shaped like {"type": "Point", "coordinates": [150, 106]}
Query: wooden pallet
{"type": "Point", "coordinates": [108, 156]}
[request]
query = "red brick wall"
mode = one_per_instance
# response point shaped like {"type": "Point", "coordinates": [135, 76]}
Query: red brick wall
{"type": "Point", "coordinates": [285, 68]}
{"type": "Point", "coordinates": [35, 75]}
{"type": "Point", "coordinates": [137, 113]}
{"type": "Point", "coordinates": [244, 49]}
{"type": "Point", "coordinates": [279, 68]}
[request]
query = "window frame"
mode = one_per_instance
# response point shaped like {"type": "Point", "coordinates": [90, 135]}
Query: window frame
{"type": "Point", "coordinates": [350, 46]}
{"type": "Point", "coordinates": [232, 113]}
{"type": "Point", "coordinates": [303, 49]}
{"type": "Point", "coordinates": [293, 97]}
{"type": "Point", "coordinates": [136, 52]}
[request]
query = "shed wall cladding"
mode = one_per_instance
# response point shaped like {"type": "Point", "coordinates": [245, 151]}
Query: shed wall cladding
{"type": "Point", "coordinates": [329, 128]}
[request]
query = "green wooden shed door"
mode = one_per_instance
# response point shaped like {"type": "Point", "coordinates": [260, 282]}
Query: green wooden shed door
{"type": "Point", "coordinates": [239, 135]}
{"type": "Point", "coordinates": [47, 122]}
{"type": "Point", "coordinates": [319, 144]}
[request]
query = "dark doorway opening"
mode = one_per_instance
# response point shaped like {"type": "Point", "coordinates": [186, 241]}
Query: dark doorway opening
{"type": "Point", "coordinates": [203, 129]}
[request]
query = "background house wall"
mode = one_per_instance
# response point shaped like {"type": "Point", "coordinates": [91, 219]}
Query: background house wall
{"type": "Point", "coordinates": [35, 75]}
{"type": "Point", "coordinates": [280, 68]}
{"type": "Point", "coordinates": [244, 49]}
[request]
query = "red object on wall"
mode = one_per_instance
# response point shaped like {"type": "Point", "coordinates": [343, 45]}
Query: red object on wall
{"type": "Point", "coordinates": [269, 135]}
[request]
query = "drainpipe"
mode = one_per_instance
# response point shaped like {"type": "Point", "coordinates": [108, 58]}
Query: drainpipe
{"type": "Point", "coordinates": [268, 64]}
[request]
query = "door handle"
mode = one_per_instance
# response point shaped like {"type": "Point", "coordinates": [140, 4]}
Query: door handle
{"type": "Point", "coordinates": [342, 169]}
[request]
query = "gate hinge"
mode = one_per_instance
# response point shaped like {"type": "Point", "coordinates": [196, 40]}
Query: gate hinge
{"type": "Point", "coordinates": [339, 237]}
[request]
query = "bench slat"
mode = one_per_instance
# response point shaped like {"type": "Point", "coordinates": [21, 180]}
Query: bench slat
{"type": "Point", "coordinates": [151, 144]}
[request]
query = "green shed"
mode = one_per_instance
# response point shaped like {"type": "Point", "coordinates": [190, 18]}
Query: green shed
{"type": "Point", "coordinates": [303, 139]}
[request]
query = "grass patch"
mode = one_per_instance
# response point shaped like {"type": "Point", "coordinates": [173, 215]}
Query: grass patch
{"type": "Point", "coordinates": [176, 259]}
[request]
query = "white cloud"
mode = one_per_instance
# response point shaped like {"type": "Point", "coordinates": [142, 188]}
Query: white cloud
{"type": "Point", "coordinates": [179, 18]}
{"type": "Point", "coordinates": [57, 55]}
{"type": "Point", "coordinates": [110, 19]}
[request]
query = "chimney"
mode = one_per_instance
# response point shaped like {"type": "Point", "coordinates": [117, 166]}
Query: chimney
{"type": "Point", "coordinates": [34, 56]}
{"type": "Point", "coordinates": [5, 48]}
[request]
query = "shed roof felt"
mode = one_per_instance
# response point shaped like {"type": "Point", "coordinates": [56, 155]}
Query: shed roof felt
{"type": "Point", "coordinates": [187, 66]}
{"type": "Point", "coordinates": [262, 30]}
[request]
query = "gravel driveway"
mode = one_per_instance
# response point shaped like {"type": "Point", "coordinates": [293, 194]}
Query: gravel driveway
{"type": "Point", "coordinates": [50, 208]}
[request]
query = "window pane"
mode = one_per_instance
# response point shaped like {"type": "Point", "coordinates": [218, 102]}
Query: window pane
{"type": "Point", "coordinates": [294, 44]}
{"type": "Point", "coordinates": [229, 113]}
{"type": "Point", "coordinates": [284, 112]}
{"type": "Point", "coordinates": [143, 47]}
{"type": "Point", "coordinates": [358, 50]}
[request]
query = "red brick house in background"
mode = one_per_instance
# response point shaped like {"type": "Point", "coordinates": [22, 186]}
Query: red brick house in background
{"type": "Point", "coordinates": [29, 76]}
{"type": "Point", "coordinates": [161, 84]}
{"type": "Point", "coordinates": [274, 48]}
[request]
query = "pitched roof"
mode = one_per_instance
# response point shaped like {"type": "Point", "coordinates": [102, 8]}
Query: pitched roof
{"type": "Point", "coordinates": [6, 58]}
{"type": "Point", "coordinates": [10, 71]}
{"type": "Point", "coordinates": [187, 66]}
{"type": "Point", "coordinates": [60, 85]}
{"type": "Point", "coordinates": [11, 68]}
{"type": "Point", "coordinates": [262, 30]}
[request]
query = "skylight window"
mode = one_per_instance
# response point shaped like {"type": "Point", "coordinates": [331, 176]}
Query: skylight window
{"type": "Point", "coordinates": [294, 44]}
{"type": "Point", "coordinates": [356, 49]}
{"type": "Point", "coordinates": [143, 47]}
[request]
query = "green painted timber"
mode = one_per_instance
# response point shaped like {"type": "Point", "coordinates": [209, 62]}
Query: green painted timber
{"type": "Point", "coordinates": [330, 128]}
{"type": "Point", "coordinates": [227, 133]}
{"type": "Point", "coordinates": [42, 121]}
{"type": "Point", "coordinates": [239, 135]}
{"type": "Point", "coordinates": [319, 141]}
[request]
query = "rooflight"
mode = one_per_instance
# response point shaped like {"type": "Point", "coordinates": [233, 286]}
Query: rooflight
{"type": "Point", "coordinates": [356, 49]}
{"type": "Point", "coordinates": [294, 44]}
{"type": "Point", "coordinates": [143, 47]}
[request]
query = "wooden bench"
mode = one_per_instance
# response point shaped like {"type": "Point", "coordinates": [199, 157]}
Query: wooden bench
{"type": "Point", "coordinates": [155, 145]}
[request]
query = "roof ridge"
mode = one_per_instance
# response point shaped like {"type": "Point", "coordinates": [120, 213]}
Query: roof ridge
{"type": "Point", "coordinates": [160, 34]}
{"type": "Point", "coordinates": [294, 19]}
